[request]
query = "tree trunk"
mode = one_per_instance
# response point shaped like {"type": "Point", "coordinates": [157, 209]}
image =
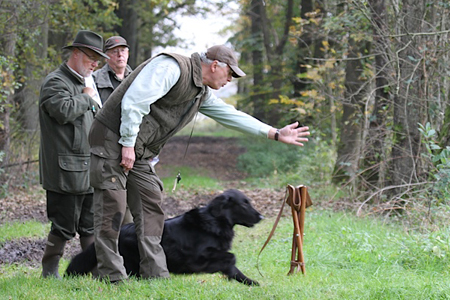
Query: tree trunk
{"type": "Point", "coordinates": [309, 45]}
{"type": "Point", "coordinates": [128, 29]}
{"type": "Point", "coordinates": [304, 49]}
{"type": "Point", "coordinates": [274, 50]}
{"type": "Point", "coordinates": [349, 147]}
{"type": "Point", "coordinates": [375, 152]}
{"type": "Point", "coordinates": [8, 43]}
{"type": "Point", "coordinates": [258, 99]}
{"type": "Point", "coordinates": [28, 97]}
{"type": "Point", "coordinates": [408, 110]}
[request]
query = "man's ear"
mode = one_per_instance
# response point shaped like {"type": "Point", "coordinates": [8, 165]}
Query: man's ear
{"type": "Point", "coordinates": [76, 52]}
{"type": "Point", "coordinates": [214, 66]}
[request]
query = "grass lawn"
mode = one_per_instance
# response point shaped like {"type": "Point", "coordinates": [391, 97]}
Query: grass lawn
{"type": "Point", "coordinates": [346, 258]}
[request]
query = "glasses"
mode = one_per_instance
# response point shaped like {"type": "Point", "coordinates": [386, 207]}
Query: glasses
{"type": "Point", "coordinates": [117, 51]}
{"type": "Point", "coordinates": [223, 65]}
{"type": "Point", "coordinates": [230, 72]}
{"type": "Point", "coordinates": [91, 58]}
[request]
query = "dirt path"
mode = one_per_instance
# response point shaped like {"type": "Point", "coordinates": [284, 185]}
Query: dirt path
{"type": "Point", "coordinates": [217, 156]}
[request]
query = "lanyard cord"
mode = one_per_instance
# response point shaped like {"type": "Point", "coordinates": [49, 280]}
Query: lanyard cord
{"type": "Point", "coordinates": [178, 178]}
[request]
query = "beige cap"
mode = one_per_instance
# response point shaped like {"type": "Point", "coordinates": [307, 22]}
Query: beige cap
{"type": "Point", "coordinates": [224, 54]}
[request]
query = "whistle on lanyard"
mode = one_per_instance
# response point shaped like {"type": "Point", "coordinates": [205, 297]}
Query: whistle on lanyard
{"type": "Point", "coordinates": [177, 180]}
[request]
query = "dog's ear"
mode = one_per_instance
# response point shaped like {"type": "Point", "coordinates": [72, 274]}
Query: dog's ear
{"type": "Point", "coordinates": [217, 204]}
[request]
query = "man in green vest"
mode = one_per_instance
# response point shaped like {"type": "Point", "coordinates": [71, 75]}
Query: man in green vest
{"type": "Point", "coordinates": [153, 103]}
{"type": "Point", "coordinates": [66, 112]}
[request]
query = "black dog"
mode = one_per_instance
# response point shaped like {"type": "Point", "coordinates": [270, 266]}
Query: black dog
{"type": "Point", "coordinates": [195, 242]}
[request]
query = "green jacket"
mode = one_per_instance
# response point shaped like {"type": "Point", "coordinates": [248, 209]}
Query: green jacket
{"type": "Point", "coordinates": [65, 116]}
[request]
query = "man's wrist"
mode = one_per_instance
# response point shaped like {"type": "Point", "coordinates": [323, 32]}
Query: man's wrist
{"type": "Point", "coordinates": [276, 135]}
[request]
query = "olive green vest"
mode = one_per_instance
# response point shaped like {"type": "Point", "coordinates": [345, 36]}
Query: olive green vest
{"type": "Point", "coordinates": [168, 115]}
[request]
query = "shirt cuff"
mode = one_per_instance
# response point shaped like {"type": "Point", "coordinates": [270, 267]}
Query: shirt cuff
{"type": "Point", "coordinates": [264, 130]}
{"type": "Point", "coordinates": [127, 141]}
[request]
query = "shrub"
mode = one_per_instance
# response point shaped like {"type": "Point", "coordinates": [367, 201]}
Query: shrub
{"type": "Point", "coordinates": [266, 158]}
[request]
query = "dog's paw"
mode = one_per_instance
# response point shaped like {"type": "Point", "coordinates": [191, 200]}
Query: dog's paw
{"type": "Point", "coordinates": [250, 282]}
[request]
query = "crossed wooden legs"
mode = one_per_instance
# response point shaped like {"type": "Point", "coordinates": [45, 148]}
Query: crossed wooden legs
{"type": "Point", "coordinates": [298, 199]}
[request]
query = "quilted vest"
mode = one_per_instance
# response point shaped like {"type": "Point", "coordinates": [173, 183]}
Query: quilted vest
{"type": "Point", "coordinates": [168, 115]}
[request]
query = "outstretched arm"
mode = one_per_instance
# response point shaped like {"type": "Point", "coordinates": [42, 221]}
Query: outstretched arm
{"type": "Point", "coordinates": [230, 117]}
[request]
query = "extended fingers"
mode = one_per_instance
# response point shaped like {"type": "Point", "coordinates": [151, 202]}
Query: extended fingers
{"type": "Point", "coordinates": [301, 134]}
{"type": "Point", "coordinates": [303, 131]}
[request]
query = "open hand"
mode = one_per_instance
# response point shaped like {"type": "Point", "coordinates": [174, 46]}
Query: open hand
{"type": "Point", "coordinates": [292, 134]}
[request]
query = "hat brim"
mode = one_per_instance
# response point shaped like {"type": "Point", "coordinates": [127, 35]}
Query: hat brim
{"type": "Point", "coordinates": [237, 72]}
{"type": "Point", "coordinates": [118, 45]}
{"type": "Point", "coordinates": [99, 52]}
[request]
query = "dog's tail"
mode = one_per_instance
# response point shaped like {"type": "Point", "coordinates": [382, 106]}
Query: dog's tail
{"type": "Point", "coordinates": [83, 263]}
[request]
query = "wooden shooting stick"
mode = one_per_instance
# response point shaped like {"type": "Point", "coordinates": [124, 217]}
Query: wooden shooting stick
{"type": "Point", "coordinates": [298, 199]}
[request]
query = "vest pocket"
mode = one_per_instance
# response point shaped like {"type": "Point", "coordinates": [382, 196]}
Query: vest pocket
{"type": "Point", "coordinates": [74, 173]}
{"type": "Point", "coordinates": [147, 137]}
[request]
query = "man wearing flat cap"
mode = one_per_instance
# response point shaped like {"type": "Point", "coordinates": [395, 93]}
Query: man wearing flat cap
{"type": "Point", "coordinates": [67, 105]}
{"type": "Point", "coordinates": [152, 104]}
{"type": "Point", "coordinates": [116, 68]}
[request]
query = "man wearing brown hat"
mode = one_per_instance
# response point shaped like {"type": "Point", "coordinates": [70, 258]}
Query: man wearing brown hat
{"type": "Point", "coordinates": [152, 104]}
{"type": "Point", "coordinates": [116, 68]}
{"type": "Point", "coordinates": [66, 112]}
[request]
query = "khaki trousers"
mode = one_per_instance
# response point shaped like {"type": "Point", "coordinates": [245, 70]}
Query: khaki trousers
{"type": "Point", "coordinates": [141, 189]}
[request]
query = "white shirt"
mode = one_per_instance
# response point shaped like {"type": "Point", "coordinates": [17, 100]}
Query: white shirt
{"type": "Point", "coordinates": [154, 81]}
{"type": "Point", "coordinates": [89, 82]}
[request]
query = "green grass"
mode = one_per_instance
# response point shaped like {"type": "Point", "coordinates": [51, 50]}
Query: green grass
{"type": "Point", "coordinates": [190, 180]}
{"type": "Point", "coordinates": [346, 258]}
{"type": "Point", "coordinates": [17, 230]}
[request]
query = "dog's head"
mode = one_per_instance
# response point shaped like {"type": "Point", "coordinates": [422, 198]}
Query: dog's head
{"type": "Point", "coordinates": [235, 207]}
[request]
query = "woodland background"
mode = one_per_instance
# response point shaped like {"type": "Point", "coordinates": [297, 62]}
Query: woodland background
{"type": "Point", "coordinates": [370, 78]}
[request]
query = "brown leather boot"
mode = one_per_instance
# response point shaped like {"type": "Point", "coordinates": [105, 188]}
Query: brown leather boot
{"type": "Point", "coordinates": [53, 252]}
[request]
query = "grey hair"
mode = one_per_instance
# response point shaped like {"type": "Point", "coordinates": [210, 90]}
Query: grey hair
{"type": "Point", "coordinates": [208, 61]}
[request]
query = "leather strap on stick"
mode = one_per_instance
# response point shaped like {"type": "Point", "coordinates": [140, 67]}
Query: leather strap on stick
{"type": "Point", "coordinates": [273, 229]}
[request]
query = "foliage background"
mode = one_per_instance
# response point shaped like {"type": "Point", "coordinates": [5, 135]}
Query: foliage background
{"type": "Point", "coordinates": [370, 78]}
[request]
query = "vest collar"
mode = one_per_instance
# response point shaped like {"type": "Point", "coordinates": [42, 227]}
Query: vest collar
{"type": "Point", "coordinates": [102, 76]}
{"type": "Point", "coordinates": [197, 70]}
